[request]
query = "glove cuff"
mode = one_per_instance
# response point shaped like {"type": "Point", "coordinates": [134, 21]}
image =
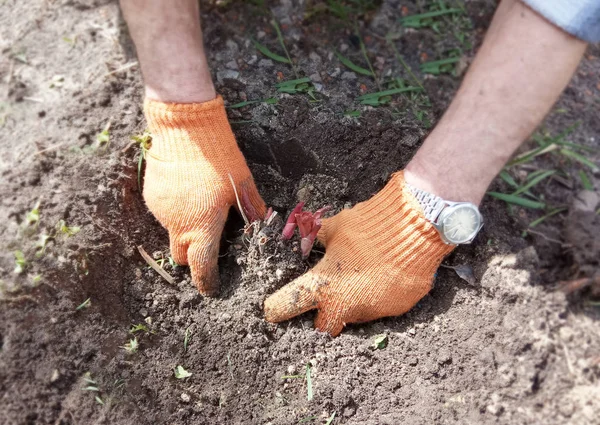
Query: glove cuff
{"type": "Point", "coordinates": [190, 132]}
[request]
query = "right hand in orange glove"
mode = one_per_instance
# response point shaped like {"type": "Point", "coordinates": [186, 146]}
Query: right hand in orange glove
{"type": "Point", "coordinates": [380, 260]}
{"type": "Point", "coordinates": [187, 182]}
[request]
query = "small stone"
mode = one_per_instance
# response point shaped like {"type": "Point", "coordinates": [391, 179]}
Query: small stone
{"type": "Point", "coordinates": [55, 375]}
{"type": "Point", "coordinates": [412, 361]}
{"type": "Point", "coordinates": [444, 357]}
{"type": "Point", "coordinates": [314, 57]}
{"type": "Point", "coordinates": [185, 398]}
{"type": "Point", "coordinates": [253, 59]}
{"type": "Point", "coordinates": [347, 75]}
{"type": "Point", "coordinates": [279, 273]}
{"type": "Point", "coordinates": [138, 273]}
{"type": "Point", "coordinates": [260, 34]}
{"type": "Point", "coordinates": [412, 331]}
{"type": "Point", "coordinates": [148, 320]}
{"type": "Point", "coordinates": [226, 316]}
{"type": "Point", "coordinates": [265, 63]}
{"type": "Point", "coordinates": [335, 72]}
{"type": "Point", "coordinates": [316, 77]}
{"type": "Point", "coordinates": [232, 65]}
{"type": "Point", "coordinates": [227, 74]}
{"type": "Point", "coordinates": [291, 370]}
{"type": "Point", "coordinates": [143, 312]}
{"type": "Point", "coordinates": [495, 409]}
{"type": "Point", "coordinates": [343, 47]}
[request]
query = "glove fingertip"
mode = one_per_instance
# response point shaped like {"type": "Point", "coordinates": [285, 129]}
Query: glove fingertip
{"type": "Point", "coordinates": [325, 322]}
{"type": "Point", "coordinates": [208, 282]}
{"type": "Point", "coordinates": [292, 300]}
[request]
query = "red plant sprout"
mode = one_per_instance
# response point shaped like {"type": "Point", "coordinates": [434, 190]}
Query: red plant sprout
{"type": "Point", "coordinates": [290, 224]}
{"type": "Point", "coordinates": [311, 223]}
{"type": "Point", "coordinates": [308, 227]}
{"type": "Point", "coordinates": [269, 213]}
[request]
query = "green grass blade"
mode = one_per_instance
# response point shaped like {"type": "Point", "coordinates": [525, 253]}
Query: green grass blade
{"type": "Point", "coordinates": [517, 200]}
{"type": "Point", "coordinates": [529, 155]}
{"type": "Point", "coordinates": [579, 158]}
{"type": "Point", "coordinates": [509, 179]}
{"type": "Point", "coordinates": [330, 419]}
{"type": "Point", "coordinates": [282, 43]}
{"type": "Point", "coordinates": [415, 21]}
{"type": "Point", "coordinates": [373, 98]}
{"type": "Point", "coordinates": [83, 305]}
{"type": "Point", "coordinates": [309, 388]}
{"type": "Point", "coordinates": [242, 104]}
{"type": "Point", "coordinates": [352, 113]}
{"type": "Point", "coordinates": [439, 66]}
{"type": "Point", "coordinates": [139, 170]}
{"type": "Point", "coordinates": [544, 217]}
{"type": "Point", "coordinates": [293, 83]}
{"type": "Point", "coordinates": [269, 101]}
{"type": "Point", "coordinates": [585, 181]}
{"type": "Point", "coordinates": [349, 64]}
{"type": "Point", "coordinates": [265, 51]}
{"type": "Point", "coordinates": [576, 146]}
{"type": "Point", "coordinates": [534, 181]}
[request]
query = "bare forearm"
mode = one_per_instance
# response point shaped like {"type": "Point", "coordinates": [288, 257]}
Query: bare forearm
{"type": "Point", "coordinates": [522, 67]}
{"type": "Point", "coordinates": [168, 39]}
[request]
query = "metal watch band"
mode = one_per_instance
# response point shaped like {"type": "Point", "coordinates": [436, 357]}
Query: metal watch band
{"type": "Point", "coordinates": [431, 204]}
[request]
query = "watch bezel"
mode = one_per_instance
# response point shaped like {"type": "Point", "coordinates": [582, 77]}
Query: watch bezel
{"type": "Point", "coordinates": [447, 211]}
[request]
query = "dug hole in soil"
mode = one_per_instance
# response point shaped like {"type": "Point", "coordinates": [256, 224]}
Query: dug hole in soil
{"type": "Point", "coordinates": [508, 348]}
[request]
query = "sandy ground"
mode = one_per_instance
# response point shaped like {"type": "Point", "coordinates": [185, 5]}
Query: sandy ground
{"type": "Point", "coordinates": [508, 349]}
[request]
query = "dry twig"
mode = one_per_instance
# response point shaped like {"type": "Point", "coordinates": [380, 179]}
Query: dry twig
{"type": "Point", "coordinates": [155, 265]}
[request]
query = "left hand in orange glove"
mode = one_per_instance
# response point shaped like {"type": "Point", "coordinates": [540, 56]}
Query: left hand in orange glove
{"type": "Point", "coordinates": [193, 170]}
{"type": "Point", "coordinates": [380, 261]}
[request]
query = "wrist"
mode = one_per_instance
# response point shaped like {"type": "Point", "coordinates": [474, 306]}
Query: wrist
{"type": "Point", "coordinates": [187, 91]}
{"type": "Point", "coordinates": [449, 183]}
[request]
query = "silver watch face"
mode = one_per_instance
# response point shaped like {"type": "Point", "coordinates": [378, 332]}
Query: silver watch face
{"type": "Point", "coordinates": [460, 223]}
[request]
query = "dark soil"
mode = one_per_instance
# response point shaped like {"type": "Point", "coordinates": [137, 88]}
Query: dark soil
{"type": "Point", "coordinates": [510, 349]}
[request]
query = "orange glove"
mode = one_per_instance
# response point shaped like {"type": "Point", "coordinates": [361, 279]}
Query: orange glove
{"type": "Point", "coordinates": [187, 182]}
{"type": "Point", "coordinates": [380, 261]}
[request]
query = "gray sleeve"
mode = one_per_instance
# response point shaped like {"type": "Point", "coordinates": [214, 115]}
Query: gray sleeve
{"type": "Point", "coordinates": [580, 18]}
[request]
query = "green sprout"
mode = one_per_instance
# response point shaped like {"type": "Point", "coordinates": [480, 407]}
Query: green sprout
{"type": "Point", "coordinates": [86, 304]}
{"type": "Point", "coordinates": [309, 388]}
{"type": "Point", "coordinates": [181, 373]}
{"type": "Point", "coordinates": [103, 138]}
{"type": "Point", "coordinates": [67, 230]}
{"type": "Point", "coordinates": [42, 244]}
{"type": "Point", "coordinates": [33, 217]}
{"type": "Point", "coordinates": [380, 341]}
{"type": "Point", "coordinates": [144, 141]}
{"type": "Point", "coordinates": [132, 346]}
{"type": "Point", "coordinates": [20, 262]}
{"type": "Point", "coordinates": [140, 327]}
{"type": "Point", "coordinates": [186, 339]}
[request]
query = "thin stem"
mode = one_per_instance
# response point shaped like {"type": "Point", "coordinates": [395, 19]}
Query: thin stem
{"type": "Point", "coordinates": [363, 50]}
{"type": "Point", "coordinates": [281, 42]}
{"type": "Point", "coordinates": [404, 64]}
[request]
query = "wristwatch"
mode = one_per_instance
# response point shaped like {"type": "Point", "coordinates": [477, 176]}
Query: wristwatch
{"type": "Point", "coordinates": [456, 222]}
